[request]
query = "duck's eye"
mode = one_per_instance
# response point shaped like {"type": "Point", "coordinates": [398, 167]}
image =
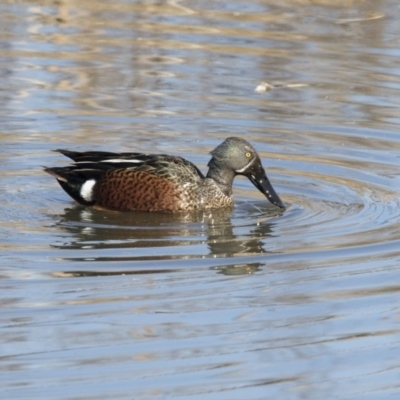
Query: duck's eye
{"type": "Point", "coordinates": [248, 154]}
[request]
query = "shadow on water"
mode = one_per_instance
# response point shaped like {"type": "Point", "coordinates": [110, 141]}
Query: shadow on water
{"type": "Point", "coordinates": [140, 236]}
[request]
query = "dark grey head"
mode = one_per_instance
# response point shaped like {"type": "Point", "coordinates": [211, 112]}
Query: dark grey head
{"type": "Point", "coordinates": [236, 156]}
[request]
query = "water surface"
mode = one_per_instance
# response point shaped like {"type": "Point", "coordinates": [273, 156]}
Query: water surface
{"type": "Point", "coordinates": [250, 303]}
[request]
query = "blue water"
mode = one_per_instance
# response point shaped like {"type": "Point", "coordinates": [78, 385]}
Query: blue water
{"type": "Point", "coordinates": [253, 303]}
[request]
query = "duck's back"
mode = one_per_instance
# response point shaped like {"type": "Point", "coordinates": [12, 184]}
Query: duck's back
{"type": "Point", "coordinates": [134, 181]}
{"type": "Point", "coordinates": [150, 183]}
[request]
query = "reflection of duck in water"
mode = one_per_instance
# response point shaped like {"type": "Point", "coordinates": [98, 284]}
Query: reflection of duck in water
{"type": "Point", "coordinates": [101, 242]}
{"type": "Point", "coordinates": [196, 234]}
{"type": "Point", "coordinates": [158, 182]}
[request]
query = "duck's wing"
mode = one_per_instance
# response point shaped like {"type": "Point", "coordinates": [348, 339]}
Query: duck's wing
{"type": "Point", "coordinates": [116, 173]}
{"type": "Point", "coordinates": [161, 165]}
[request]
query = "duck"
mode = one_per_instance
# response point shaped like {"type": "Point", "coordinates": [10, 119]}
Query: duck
{"type": "Point", "coordinates": [161, 182]}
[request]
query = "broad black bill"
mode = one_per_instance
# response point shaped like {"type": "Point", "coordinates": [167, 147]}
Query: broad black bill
{"type": "Point", "coordinates": [262, 183]}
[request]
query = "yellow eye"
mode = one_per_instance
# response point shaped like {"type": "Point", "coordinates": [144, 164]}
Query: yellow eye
{"type": "Point", "coordinates": [248, 154]}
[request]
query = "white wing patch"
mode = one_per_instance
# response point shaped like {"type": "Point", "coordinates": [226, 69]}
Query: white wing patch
{"type": "Point", "coordinates": [123, 160]}
{"type": "Point", "coordinates": [87, 190]}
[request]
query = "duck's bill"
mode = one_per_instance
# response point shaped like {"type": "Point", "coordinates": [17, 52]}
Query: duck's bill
{"type": "Point", "coordinates": [262, 183]}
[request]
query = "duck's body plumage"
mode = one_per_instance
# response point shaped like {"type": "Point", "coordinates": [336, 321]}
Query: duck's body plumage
{"type": "Point", "coordinates": [159, 182]}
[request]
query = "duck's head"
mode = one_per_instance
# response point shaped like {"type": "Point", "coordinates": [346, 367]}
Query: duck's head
{"type": "Point", "coordinates": [236, 156]}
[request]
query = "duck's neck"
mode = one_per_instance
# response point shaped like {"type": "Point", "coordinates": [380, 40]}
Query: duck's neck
{"type": "Point", "coordinates": [221, 175]}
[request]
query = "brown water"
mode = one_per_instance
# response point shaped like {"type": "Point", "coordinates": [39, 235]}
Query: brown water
{"type": "Point", "coordinates": [250, 304]}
